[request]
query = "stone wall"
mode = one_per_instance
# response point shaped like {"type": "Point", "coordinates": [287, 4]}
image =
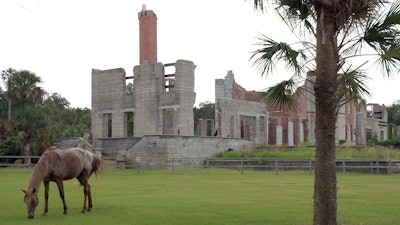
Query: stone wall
{"type": "Point", "coordinates": [114, 146]}
{"type": "Point", "coordinates": [241, 119]}
{"type": "Point", "coordinates": [153, 149]}
{"type": "Point", "coordinates": [161, 103]}
{"type": "Point", "coordinates": [164, 102]}
{"type": "Point", "coordinates": [238, 114]}
{"type": "Point", "coordinates": [109, 98]}
{"type": "Point", "coordinates": [148, 87]}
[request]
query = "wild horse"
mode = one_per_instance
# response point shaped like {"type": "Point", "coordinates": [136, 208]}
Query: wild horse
{"type": "Point", "coordinates": [58, 165]}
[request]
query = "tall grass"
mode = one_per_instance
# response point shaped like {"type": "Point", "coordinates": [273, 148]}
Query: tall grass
{"type": "Point", "coordinates": [306, 152]}
{"type": "Point", "coordinates": [198, 196]}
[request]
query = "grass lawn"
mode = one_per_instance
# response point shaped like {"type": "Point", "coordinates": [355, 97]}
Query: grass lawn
{"type": "Point", "coordinates": [200, 196]}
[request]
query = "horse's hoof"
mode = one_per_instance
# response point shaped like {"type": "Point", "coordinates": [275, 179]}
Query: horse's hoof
{"type": "Point", "coordinates": [65, 213]}
{"type": "Point", "coordinates": [44, 214]}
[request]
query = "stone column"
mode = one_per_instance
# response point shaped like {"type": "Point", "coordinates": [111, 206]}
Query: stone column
{"type": "Point", "coordinates": [290, 134]}
{"type": "Point", "coordinates": [279, 135]}
{"type": "Point", "coordinates": [301, 132]}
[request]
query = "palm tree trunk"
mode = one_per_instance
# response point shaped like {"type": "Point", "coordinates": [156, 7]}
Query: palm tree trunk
{"type": "Point", "coordinates": [9, 109]}
{"type": "Point", "coordinates": [325, 204]}
{"type": "Point", "coordinates": [25, 146]}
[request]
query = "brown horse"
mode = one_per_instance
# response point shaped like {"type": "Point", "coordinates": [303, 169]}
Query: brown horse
{"type": "Point", "coordinates": [58, 165]}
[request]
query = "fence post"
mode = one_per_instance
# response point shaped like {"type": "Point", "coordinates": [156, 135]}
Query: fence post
{"type": "Point", "coordinates": [310, 166]}
{"type": "Point", "coordinates": [241, 166]}
{"type": "Point", "coordinates": [29, 163]}
{"type": "Point", "coordinates": [173, 166]}
{"type": "Point", "coordinates": [344, 166]}
{"type": "Point", "coordinates": [389, 171]}
{"type": "Point", "coordinates": [138, 165]}
{"type": "Point", "coordinates": [276, 166]}
{"type": "Point", "coordinates": [377, 166]}
{"type": "Point", "coordinates": [372, 166]}
{"type": "Point", "coordinates": [207, 165]}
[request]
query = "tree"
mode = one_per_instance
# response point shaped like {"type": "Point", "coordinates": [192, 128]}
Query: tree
{"type": "Point", "coordinates": [7, 76]}
{"type": "Point", "coordinates": [129, 89]}
{"type": "Point", "coordinates": [24, 94]}
{"type": "Point", "coordinates": [3, 114]}
{"type": "Point", "coordinates": [57, 101]}
{"type": "Point", "coordinates": [9, 147]}
{"type": "Point", "coordinates": [340, 31]}
{"type": "Point", "coordinates": [206, 110]}
{"type": "Point", "coordinates": [394, 113]}
{"type": "Point", "coordinates": [65, 121]}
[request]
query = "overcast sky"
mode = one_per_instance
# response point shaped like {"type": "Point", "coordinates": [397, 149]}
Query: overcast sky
{"type": "Point", "coordinates": [62, 41]}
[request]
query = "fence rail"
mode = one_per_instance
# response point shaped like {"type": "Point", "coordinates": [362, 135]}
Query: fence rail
{"type": "Point", "coordinates": [377, 166]}
{"type": "Point", "coordinates": [342, 165]}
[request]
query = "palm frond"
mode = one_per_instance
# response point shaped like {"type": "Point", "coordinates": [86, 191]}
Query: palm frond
{"type": "Point", "coordinates": [281, 96]}
{"type": "Point", "coordinates": [296, 13]}
{"type": "Point", "coordinates": [389, 60]}
{"type": "Point", "coordinates": [259, 5]}
{"type": "Point", "coordinates": [353, 87]}
{"type": "Point", "coordinates": [273, 52]}
{"type": "Point", "coordinates": [382, 32]}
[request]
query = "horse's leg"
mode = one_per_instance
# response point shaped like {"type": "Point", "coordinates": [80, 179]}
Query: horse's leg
{"type": "Point", "coordinates": [89, 193]}
{"type": "Point", "coordinates": [61, 190]}
{"type": "Point", "coordinates": [46, 197]}
{"type": "Point", "coordinates": [83, 182]}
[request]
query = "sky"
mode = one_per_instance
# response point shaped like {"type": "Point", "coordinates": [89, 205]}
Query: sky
{"type": "Point", "coordinates": [62, 41]}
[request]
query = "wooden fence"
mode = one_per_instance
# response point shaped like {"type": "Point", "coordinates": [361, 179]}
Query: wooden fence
{"type": "Point", "coordinates": [378, 166]}
{"type": "Point", "coordinates": [375, 166]}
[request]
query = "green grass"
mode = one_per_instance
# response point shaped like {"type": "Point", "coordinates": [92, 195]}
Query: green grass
{"type": "Point", "coordinates": [305, 152]}
{"type": "Point", "coordinates": [200, 196]}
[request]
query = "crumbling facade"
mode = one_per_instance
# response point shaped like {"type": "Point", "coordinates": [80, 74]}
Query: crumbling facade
{"type": "Point", "coordinates": [164, 101]}
{"type": "Point", "coordinates": [160, 104]}
{"type": "Point", "coordinates": [155, 118]}
{"type": "Point", "coordinates": [239, 113]}
{"type": "Point", "coordinates": [236, 116]}
{"type": "Point", "coordinates": [371, 121]}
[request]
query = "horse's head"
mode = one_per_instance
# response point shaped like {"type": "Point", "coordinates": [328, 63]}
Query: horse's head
{"type": "Point", "coordinates": [31, 200]}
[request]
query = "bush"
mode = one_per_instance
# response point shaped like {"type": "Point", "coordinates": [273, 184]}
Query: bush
{"type": "Point", "coordinates": [10, 147]}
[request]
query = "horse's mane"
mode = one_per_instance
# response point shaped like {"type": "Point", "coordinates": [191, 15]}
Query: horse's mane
{"type": "Point", "coordinates": [39, 170]}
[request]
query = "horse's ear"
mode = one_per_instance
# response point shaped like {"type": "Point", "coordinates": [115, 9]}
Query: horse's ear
{"type": "Point", "coordinates": [23, 191]}
{"type": "Point", "coordinates": [34, 191]}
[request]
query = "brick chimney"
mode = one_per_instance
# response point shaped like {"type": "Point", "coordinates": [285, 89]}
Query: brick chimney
{"type": "Point", "coordinates": [147, 35]}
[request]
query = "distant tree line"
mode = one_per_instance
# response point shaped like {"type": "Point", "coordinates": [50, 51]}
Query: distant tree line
{"type": "Point", "coordinates": [31, 119]}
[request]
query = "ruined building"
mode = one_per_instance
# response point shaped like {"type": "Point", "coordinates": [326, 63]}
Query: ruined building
{"type": "Point", "coordinates": [160, 104]}
{"type": "Point", "coordinates": [155, 117]}
{"type": "Point", "coordinates": [156, 120]}
{"type": "Point", "coordinates": [242, 112]}
{"type": "Point", "coordinates": [238, 113]}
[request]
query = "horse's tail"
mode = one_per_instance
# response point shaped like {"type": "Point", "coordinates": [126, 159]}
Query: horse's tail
{"type": "Point", "coordinates": [96, 164]}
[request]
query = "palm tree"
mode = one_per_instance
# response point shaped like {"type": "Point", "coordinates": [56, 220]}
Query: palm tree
{"type": "Point", "coordinates": [7, 76]}
{"type": "Point", "coordinates": [23, 93]}
{"type": "Point", "coordinates": [332, 34]}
